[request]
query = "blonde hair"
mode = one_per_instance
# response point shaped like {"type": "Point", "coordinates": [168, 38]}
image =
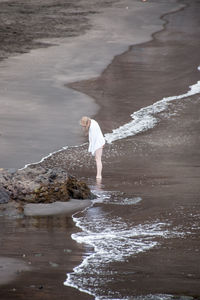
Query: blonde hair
{"type": "Point", "coordinates": [85, 123]}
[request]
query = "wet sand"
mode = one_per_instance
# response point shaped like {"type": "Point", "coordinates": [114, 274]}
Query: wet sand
{"type": "Point", "coordinates": [39, 113]}
{"type": "Point", "coordinates": [161, 166]}
{"type": "Point", "coordinates": [56, 208]}
{"type": "Point", "coordinates": [44, 246]}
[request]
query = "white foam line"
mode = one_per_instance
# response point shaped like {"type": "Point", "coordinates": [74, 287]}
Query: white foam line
{"type": "Point", "coordinates": [49, 155]}
{"type": "Point", "coordinates": [93, 239]}
{"type": "Point", "coordinates": [146, 297]}
{"type": "Point", "coordinates": [145, 119]}
{"type": "Point", "coordinates": [137, 239]}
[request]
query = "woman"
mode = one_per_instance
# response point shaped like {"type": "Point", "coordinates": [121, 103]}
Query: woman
{"type": "Point", "coordinates": [96, 141]}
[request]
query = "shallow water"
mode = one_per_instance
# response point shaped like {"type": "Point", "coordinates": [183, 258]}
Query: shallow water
{"type": "Point", "coordinates": [40, 115]}
{"type": "Point", "coordinates": [146, 118]}
{"type": "Point", "coordinates": [111, 238]}
{"type": "Point", "coordinates": [128, 239]}
{"type": "Point", "coordinates": [42, 245]}
{"type": "Point", "coordinates": [141, 235]}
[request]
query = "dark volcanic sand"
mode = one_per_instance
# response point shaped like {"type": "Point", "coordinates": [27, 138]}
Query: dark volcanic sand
{"type": "Point", "coordinates": [161, 166]}
{"type": "Point", "coordinates": [23, 23]}
{"type": "Point", "coordinates": [146, 73]}
{"type": "Point", "coordinates": [45, 245]}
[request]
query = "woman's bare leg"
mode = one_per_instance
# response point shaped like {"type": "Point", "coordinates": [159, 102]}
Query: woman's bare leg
{"type": "Point", "coordinates": [98, 154]}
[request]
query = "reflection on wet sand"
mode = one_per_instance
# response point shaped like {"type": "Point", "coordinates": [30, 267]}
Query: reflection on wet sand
{"type": "Point", "coordinates": [98, 185]}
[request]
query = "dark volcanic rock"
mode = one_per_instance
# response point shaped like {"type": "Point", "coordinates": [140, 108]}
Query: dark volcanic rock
{"type": "Point", "coordinates": [78, 189]}
{"type": "Point", "coordinates": [4, 195]}
{"type": "Point", "coordinates": [39, 185]}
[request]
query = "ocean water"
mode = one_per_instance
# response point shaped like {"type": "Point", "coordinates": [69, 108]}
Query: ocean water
{"type": "Point", "coordinates": [110, 236]}
{"type": "Point", "coordinates": [112, 239]}
{"type": "Point", "coordinates": [39, 113]}
{"type": "Point", "coordinates": [143, 119]}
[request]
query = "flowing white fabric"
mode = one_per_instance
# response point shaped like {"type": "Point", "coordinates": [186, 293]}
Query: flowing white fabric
{"type": "Point", "coordinates": [96, 139]}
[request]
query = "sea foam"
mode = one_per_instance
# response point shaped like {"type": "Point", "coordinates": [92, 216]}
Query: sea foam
{"type": "Point", "coordinates": [145, 118]}
{"type": "Point", "coordinates": [109, 239]}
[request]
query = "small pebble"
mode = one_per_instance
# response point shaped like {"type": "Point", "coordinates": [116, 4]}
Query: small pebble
{"type": "Point", "coordinates": [67, 250]}
{"type": "Point", "coordinates": [54, 265]}
{"type": "Point", "coordinates": [40, 287]}
{"type": "Point", "coordinates": [38, 254]}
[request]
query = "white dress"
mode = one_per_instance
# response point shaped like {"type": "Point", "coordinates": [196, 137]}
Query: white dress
{"type": "Point", "coordinates": [96, 139]}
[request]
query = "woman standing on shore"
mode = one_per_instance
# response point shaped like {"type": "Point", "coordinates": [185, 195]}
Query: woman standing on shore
{"type": "Point", "coordinates": [96, 141]}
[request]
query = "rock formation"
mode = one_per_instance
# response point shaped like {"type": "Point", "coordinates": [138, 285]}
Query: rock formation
{"type": "Point", "coordinates": [36, 184]}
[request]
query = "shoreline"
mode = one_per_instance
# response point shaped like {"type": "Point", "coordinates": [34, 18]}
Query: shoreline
{"type": "Point", "coordinates": [11, 268]}
{"type": "Point", "coordinates": [157, 184]}
{"type": "Point", "coordinates": [53, 123]}
{"type": "Point", "coordinates": [162, 166]}
{"type": "Point", "coordinates": [93, 87]}
{"type": "Point", "coordinates": [75, 85]}
{"type": "Point", "coordinates": [56, 208]}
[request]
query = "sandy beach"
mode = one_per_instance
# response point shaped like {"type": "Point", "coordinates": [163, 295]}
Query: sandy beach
{"type": "Point", "coordinates": [159, 166]}
{"type": "Point", "coordinates": [39, 113]}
